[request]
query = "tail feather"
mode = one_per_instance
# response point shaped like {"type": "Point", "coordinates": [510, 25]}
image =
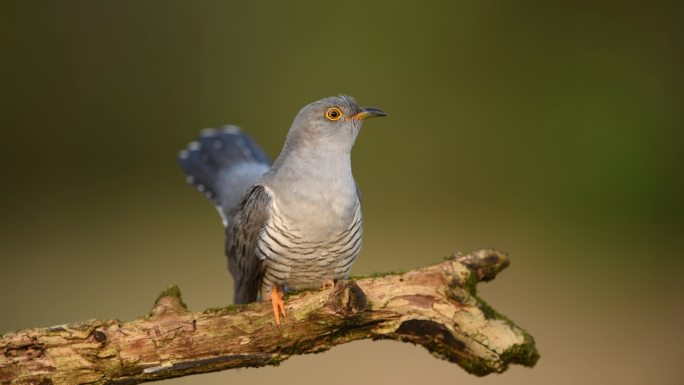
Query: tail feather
{"type": "Point", "coordinates": [199, 169]}
{"type": "Point", "coordinates": [230, 145]}
{"type": "Point", "coordinates": [223, 164]}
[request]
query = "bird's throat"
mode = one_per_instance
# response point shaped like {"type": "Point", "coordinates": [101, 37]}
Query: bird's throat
{"type": "Point", "coordinates": [324, 196]}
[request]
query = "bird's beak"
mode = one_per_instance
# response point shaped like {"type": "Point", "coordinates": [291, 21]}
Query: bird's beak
{"type": "Point", "coordinates": [368, 112]}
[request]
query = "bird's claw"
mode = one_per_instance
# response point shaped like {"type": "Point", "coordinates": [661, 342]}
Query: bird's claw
{"type": "Point", "coordinates": [277, 303]}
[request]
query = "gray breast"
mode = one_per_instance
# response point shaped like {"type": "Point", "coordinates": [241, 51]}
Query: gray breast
{"type": "Point", "coordinates": [298, 258]}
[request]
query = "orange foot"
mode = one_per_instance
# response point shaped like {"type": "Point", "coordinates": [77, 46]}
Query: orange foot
{"type": "Point", "coordinates": [328, 284]}
{"type": "Point", "coordinates": [278, 304]}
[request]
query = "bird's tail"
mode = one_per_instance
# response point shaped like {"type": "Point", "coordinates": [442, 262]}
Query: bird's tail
{"type": "Point", "coordinates": [223, 164]}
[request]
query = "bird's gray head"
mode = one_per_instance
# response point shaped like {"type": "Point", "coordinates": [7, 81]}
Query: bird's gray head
{"type": "Point", "coordinates": [330, 124]}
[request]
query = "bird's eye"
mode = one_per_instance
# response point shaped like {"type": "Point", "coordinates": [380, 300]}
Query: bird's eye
{"type": "Point", "coordinates": [333, 113]}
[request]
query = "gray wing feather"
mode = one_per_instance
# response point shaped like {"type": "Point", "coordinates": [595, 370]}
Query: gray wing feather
{"type": "Point", "coordinates": [242, 234]}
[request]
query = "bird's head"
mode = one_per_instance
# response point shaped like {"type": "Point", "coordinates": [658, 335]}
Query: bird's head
{"type": "Point", "coordinates": [330, 123]}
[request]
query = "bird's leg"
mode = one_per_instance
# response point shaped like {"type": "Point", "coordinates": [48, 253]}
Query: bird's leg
{"type": "Point", "coordinates": [277, 302]}
{"type": "Point", "coordinates": [328, 283]}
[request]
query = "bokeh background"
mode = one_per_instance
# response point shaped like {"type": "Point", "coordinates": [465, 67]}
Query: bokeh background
{"type": "Point", "coordinates": [551, 130]}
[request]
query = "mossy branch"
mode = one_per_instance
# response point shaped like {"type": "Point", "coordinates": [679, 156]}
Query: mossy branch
{"type": "Point", "coordinates": [436, 307]}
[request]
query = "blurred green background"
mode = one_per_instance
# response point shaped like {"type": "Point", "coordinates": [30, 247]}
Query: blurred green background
{"type": "Point", "coordinates": [551, 130]}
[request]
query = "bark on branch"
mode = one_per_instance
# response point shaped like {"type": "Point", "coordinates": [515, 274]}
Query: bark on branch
{"type": "Point", "coordinates": [436, 307]}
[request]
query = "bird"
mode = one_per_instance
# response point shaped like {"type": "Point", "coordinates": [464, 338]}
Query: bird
{"type": "Point", "coordinates": [294, 224]}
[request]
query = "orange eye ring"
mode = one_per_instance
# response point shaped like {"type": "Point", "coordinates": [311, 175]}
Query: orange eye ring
{"type": "Point", "coordinates": [333, 114]}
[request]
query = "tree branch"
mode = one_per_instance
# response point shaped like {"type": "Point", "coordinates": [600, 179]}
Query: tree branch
{"type": "Point", "coordinates": [435, 306]}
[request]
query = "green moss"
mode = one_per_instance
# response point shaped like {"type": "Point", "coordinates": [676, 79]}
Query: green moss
{"type": "Point", "coordinates": [489, 311]}
{"type": "Point", "coordinates": [476, 367]}
{"type": "Point", "coordinates": [525, 354]}
{"type": "Point", "coordinates": [376, 274]}
{"type": "Point", "coordinates": [472, 282]}
{"type": "Point", "coordinates": [275, 360]}
{"type": "Point", "coordinates": [229, 309]}
{"type": "Point", "coordinates": [171, 291]}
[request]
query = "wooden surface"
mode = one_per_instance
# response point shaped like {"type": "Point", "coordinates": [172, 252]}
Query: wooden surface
{"type": "Point", "coordinates": [435, 306]}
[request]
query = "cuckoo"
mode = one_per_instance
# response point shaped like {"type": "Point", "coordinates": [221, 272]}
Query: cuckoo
{"type": "Point", "coordinates": [292, 225]}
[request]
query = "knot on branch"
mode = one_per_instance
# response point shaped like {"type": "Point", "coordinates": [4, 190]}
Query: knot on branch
{"type": "Point", "coordinates": [347, 299]}
{"type": "Point", "coordinates": [486, 263]}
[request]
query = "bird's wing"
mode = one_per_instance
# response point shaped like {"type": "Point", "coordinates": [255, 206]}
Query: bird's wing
{"type": "Point", "coordinates": [242, 234]}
